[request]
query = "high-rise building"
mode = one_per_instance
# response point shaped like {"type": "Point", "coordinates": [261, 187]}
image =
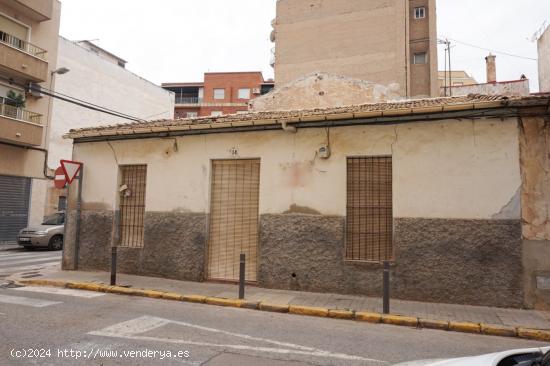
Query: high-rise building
{"type": "Point", "coordinates": [383, 41]}
{"type": "Point", "coordinates": [29, 32]}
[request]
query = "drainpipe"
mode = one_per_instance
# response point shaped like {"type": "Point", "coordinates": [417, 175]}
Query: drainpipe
{"type": "Point", "coordinates": [288, 128]}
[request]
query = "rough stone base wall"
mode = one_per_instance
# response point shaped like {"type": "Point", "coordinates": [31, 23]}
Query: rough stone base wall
{"type": "Point", "coordinates": [174, 245]}
{"type": "Point", "coordinates": [455, 261]}
{"type": "Point", "coordinates": [475, 262]}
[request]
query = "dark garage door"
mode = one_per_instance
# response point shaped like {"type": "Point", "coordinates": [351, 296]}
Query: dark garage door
{"type": "Point", "coordinates": [14, 206]}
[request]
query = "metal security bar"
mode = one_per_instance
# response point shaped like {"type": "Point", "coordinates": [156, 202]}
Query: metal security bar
{"type": "Point", "coordinates": [132, 205]}
{"type": "Point", "coordinates": [23, 45]}
{"type": "Point", "coordinates": [369, 222]}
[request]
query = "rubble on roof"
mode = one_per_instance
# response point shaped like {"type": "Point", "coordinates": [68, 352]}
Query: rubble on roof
{"type": "Point", "coordinates": [324, 90]}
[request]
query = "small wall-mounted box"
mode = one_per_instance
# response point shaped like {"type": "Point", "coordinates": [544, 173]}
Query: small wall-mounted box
{"type": "Point", "coordinates": [324, 152]}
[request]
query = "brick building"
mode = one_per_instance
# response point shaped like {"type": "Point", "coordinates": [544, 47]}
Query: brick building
{"type": "Point", "coordinates": [220, 93]}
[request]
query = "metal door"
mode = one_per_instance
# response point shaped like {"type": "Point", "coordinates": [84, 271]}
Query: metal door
{"type": "Point", "coordinates": [14, 206]}
{"type": "Point", "coordinates": [233, 218]}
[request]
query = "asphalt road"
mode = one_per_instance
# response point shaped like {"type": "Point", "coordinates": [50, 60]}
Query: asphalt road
{"type": "Point", "coordinates": [72, 327]}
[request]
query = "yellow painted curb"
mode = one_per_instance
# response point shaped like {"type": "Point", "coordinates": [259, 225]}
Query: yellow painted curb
{"type": "Point", "coordinates": [87, 286]}
{"type": "Point", "coordinates": [308, 310]}
{"type": "Point", "coordinates": [150, 293]}
{"type": "Point", "coordinates": [407, 321]}
{"type": "Point", "coordinates": [54, 283]}
{"type": "Point", "coordinates": [498, 330]}
{"type": "Point", "coordinates": [340, 314]}
{"type": "Point", "coordinates": [434, 324]}
{"type": "Point", "coordinates": [120, 290]}
{"type": "Point", "coordinates": [264, 306]}
{"type": "Point", "coordinates": [465, 327]}
{"type": "Point", "coordinates": [535, 334]}
{"type": "Point", "coordinates": [193, 298]}
{"type": "Point", "coordinates": [368, 317]}
{"type": "Point", "coordinates": [172, 296]}
{"type": "Point", "coordinates": [220, 301]}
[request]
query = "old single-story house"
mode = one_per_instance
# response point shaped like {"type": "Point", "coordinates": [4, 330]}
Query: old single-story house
{"type": "Point", "coordinates": [455, 192]}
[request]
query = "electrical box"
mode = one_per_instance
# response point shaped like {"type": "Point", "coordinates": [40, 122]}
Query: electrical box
{"type": "Point", "coordinates": [324, 152]}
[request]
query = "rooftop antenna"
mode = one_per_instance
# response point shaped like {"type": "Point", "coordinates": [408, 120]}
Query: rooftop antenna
{"type": "Point", "coordinates": [447, 43]}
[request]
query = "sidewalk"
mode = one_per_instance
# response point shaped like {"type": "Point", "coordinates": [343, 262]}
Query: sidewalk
{"type": "Point", "coordinates": [449, 312]}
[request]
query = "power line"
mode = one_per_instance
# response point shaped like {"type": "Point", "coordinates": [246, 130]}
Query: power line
{"type": "Point", "coordinates": [80, 102]}
{"type": "Point", "coordinates": [76, 101]}
{"type": "Point", "coordinates": [494, 51]}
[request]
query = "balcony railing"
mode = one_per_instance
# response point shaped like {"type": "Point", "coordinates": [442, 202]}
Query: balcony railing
{"type": "Point", "coordinates": [188, 100]}
{"type": "Point", "coordinates": [10, 111]}
{"type": "Point", "coordinates": [23, 45]}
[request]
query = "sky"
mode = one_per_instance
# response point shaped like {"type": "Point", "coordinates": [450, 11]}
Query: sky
{"type": "Point", "coordinates": [179, 40]}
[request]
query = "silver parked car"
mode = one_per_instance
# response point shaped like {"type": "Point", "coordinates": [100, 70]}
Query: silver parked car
{"type": "Point", "coordinates": [47, 235]}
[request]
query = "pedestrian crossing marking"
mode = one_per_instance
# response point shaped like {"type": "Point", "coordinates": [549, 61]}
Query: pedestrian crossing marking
{"type": "Point", "coordinates": [11, 263]}
{"type": "Point", "coordinates": [59, 291]}
{"type": "Point", "coordinates": [13, 270]}
{"type": "Point", "coordinates": [26, 301]}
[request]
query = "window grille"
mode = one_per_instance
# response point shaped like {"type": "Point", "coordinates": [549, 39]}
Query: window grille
{"type": "Point", "coordinates": [132, 205]}
{"type": "Point", "coordinates": [369, 221]}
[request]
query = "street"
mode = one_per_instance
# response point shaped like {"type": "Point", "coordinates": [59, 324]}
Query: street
{"type": "Point", "coordinates": [20, 260]}
{"type": "Point", "coordinates": [71, 327]}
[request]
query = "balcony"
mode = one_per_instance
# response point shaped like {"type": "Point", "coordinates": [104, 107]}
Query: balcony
{"type": "Point", "coordinates": [37, 10]}
{"type": "Point", "coordinates": [19, 126]}
{"type": "Point", "coordinates": [188, 100]}
{"type": "Point", "coordinates": [22, 59]}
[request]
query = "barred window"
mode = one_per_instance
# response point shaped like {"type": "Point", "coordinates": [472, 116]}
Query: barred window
{"type": "Point", "coordinates": [132, 204]}
{"type": "Point", "coordinates": [369, 221]}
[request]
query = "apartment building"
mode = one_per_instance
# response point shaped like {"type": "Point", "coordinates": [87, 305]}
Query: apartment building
{"type": "Point", "coordinates": [382, 41]}
{"type": "Point", "coordinates": [108, 84]}
{"type": "Point", "coordinates": [220, 93]}
{"type": "Point", "coordinates": [29, 32]}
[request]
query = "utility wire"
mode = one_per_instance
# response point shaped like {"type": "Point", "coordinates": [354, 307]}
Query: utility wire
{"type": "Point", "coordinates": [76, 101]}
{"type": "Point", "coordinates": [495, 51]}
{"type": "Point", "coordinates": [91, 104]}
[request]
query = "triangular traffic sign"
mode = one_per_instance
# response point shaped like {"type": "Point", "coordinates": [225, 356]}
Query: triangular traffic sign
{"type": "Point", "coordinates": [71, 169]}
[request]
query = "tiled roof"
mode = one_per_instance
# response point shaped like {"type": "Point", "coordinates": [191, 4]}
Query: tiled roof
{"type": "Point", "coordinates": [396, 108]}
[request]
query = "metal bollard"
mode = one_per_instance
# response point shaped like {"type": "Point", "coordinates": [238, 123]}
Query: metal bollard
{"type": "Point", "coordinates": [241, 276]}
{"type": "Point", "coordinates": [386, 289]}
{"type": "Point", "coordinates": [113, 265]}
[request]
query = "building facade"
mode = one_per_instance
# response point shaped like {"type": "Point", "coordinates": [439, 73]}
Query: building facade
{"type": "Point", "coordinates": [28, 53]}
{"type": "Point", "coordinates": [462, 84]}
{"type": "Point", "coordinates": [99, 77]}
{"type": "Point", "coordinates": [220, 93]}
{"type": "Point", "coordinates": [457, 78]}
{"type": "Point", "coordinates": [381, 41]}
{"type": "Point", "coordinates": [318, 199]}
{"type": "Point", "coordinates": [543, 44]}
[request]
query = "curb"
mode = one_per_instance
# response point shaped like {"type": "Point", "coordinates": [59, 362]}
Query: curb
{"type": "Point", "coordinates": [369, 317]}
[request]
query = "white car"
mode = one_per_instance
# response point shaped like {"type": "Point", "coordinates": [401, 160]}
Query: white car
{"type": "Point", "coordinates": [517, 357]}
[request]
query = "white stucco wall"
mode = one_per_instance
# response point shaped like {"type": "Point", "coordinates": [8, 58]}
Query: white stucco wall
{"type": "Point", "coordinates": [99, 81]}
{"type": "Point", "coordinates": [448, 169]}
{"type": "Point", "coordinates": [544, 61]}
